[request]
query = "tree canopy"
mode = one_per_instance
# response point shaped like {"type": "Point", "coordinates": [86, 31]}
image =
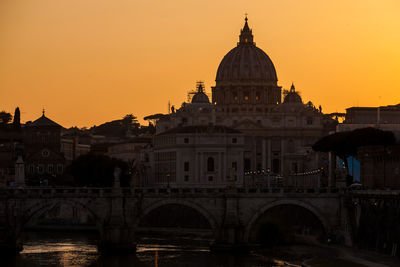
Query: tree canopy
{"type": "Point", "coordinates": [98, 171]}
{"type": "Point", "coordinates": [120, 128]}
{"type": "Point", "coordinates": [5, 118]}
{"type": "Point", "coordinates": [345, 144]}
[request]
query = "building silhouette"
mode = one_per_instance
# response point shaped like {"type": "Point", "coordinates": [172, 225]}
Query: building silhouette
{"type": "Point", "coordinates": [246, 100]}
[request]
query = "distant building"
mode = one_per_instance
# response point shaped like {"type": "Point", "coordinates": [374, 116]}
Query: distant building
{"type": "Point", "coordinates": [73, 146]}
{"type": "Point", "coordinates": [129, 151]}
{"type": "Point", "coordinates": [42, 143]}
{"type": "Point", "coordinates": [202, 155]}
{"type": "Point", "coordinates": [277, 136]}
{"type": "Point", "coordinates": [385, 118]}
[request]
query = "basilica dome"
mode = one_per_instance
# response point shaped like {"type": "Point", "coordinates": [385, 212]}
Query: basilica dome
{"type": "Point", "coordinates": [200, 97]}
{"type": "Point", "coordinates": [246, 62]}
{"type": "Point", "coordinates": [292, 96]}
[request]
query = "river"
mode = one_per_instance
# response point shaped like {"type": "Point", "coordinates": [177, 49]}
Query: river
{"type": "Point", "coordinates": [79, 249]}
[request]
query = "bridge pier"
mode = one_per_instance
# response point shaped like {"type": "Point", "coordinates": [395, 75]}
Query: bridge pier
{"type": "Point", "coordinates": [231, 232]}
{"type": "Point", "coordinates": [230, 239]}
{"type": "Point", "coordinates": [116, 235]}
{"type": "Point", "coordinates": [9, 242]}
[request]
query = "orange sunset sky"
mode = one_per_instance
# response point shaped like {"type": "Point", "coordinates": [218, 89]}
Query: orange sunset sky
{"type": "Point", "coordinates": [91, 61]}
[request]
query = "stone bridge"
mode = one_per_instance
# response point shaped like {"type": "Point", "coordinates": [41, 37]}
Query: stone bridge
{"type": "Point", "coordinates": [234, 215]}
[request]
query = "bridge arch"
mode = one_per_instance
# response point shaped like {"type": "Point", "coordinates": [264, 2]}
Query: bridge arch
{"type": "Point", "coordinates": [42, 206]}
{"type": "Point", "coordinates": [313, 210]}
{"type": "Point", "coordinates": [198, 208]}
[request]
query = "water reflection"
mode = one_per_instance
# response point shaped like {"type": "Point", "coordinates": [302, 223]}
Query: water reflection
{"type": "Point", "coordinates": [79, 249]}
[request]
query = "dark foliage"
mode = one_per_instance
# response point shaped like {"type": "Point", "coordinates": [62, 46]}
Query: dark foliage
{"type": "Point", "coordinates": [120, 128]}
{"type": "Point", "coordinates": [117, 128]}
{"type": "Point", "coordinates": [5, 118]}
{"type": "Point", "coordinates": [345, 144]}
{"type": "Point", "coordinates": [98, 171]}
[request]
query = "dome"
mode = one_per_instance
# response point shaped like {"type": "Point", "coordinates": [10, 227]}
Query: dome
{"type": "Point", "coordinates": [246, 62]}
{"type": "Point", "coordinates": [292, 96]}
{"type": "Point", "coordinates": [199, 96]}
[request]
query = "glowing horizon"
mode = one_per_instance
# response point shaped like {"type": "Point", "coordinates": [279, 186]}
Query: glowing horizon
{"type": "Point", "coordinates": [87, 62]}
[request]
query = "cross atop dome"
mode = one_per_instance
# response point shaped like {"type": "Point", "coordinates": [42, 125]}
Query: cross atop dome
{"type": "Point", "coordinates": [246, 35]}
{"type": "Point", "coordinates": [292, 88]}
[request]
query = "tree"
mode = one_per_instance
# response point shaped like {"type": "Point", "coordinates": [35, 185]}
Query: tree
{"type": "Point", "coordinates": [345, 144]}
{"type": "Point", "coordinates": [98, 171]}
{"type": "Point", "coordinates": [17, 119]}
{"type": "Point", "coordinates": [118, 128]}
{"type": "Point", "coordinates": [5, 118]}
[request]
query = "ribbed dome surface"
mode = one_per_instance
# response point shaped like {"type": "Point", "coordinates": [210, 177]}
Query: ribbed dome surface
{"type": "Point", "coordinates": [246, 62]}
{"type": "Point", "coordinates": [292, 97]}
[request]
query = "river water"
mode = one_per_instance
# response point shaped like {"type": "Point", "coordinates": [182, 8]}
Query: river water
{"type": "Point", "coordinates": [79, 249]}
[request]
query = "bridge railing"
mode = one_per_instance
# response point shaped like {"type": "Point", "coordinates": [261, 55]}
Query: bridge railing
{"type": "Point", "coordinates": [127, 191]}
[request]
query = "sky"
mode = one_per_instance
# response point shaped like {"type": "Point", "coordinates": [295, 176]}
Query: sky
{"type": "Point", "coordinates": [90, 61]}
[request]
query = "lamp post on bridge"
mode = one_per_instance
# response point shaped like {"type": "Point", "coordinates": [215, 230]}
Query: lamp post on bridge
{"type": "Point", "coordinates": [19, 172]}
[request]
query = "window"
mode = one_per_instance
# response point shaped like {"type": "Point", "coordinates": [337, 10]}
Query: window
{"type": "Point", "coordinates": [210, 164]}
{"type": "Point", "coordinates": [234, 140]}
{"type": "Point", "coordinates": [246, 96]}
{"type": "Point", "coordinates": [40, 169]}
{"type": "Point", "coordinates": [50, 168]}
{"type": "Point", "coordinates": [186, 140]}
{"type": "Point", "coordinates": [247, 164]}
{"type": "Point", "coordinates": [186, 166]}
{"type": "Point", "coordinates": [258, 96]}
{"type": "Point", "coordinates": [210, 178]}
{"type": "Point", "coordinates": [235, 96]}
{"type": "Point", "coordinates": [309, 120]}
{"type": "Point", "coordinates": [186, 178]}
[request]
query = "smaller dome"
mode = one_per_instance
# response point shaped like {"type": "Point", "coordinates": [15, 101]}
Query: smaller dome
{"type": "Point", "coordinates": [292, 96]}
{"type": "Point", "coordinates": [199, 96]}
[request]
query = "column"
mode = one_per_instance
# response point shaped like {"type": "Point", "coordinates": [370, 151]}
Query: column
{"type": "Point", "coordinates": [264, 159]}
{"type": "Point", "coordinates": [254, 157]}
{"type": "Point", "coordinates": [226, 167]}
{"type": "Point", "coordinates": [220, 167]}
{"type": "Point", "coordinates": [196, 168]}
{"type": "Point", "coordinates": [269, 154]}
{"type": "Point", "coordinates": [201, 178]}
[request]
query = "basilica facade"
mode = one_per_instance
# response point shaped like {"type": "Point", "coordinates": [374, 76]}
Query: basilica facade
{"type": "Point", "coordinates": [250, 125]}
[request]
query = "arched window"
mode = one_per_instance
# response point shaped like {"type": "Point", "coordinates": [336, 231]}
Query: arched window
{"type": "Point", "coordinates": [210, 164]}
